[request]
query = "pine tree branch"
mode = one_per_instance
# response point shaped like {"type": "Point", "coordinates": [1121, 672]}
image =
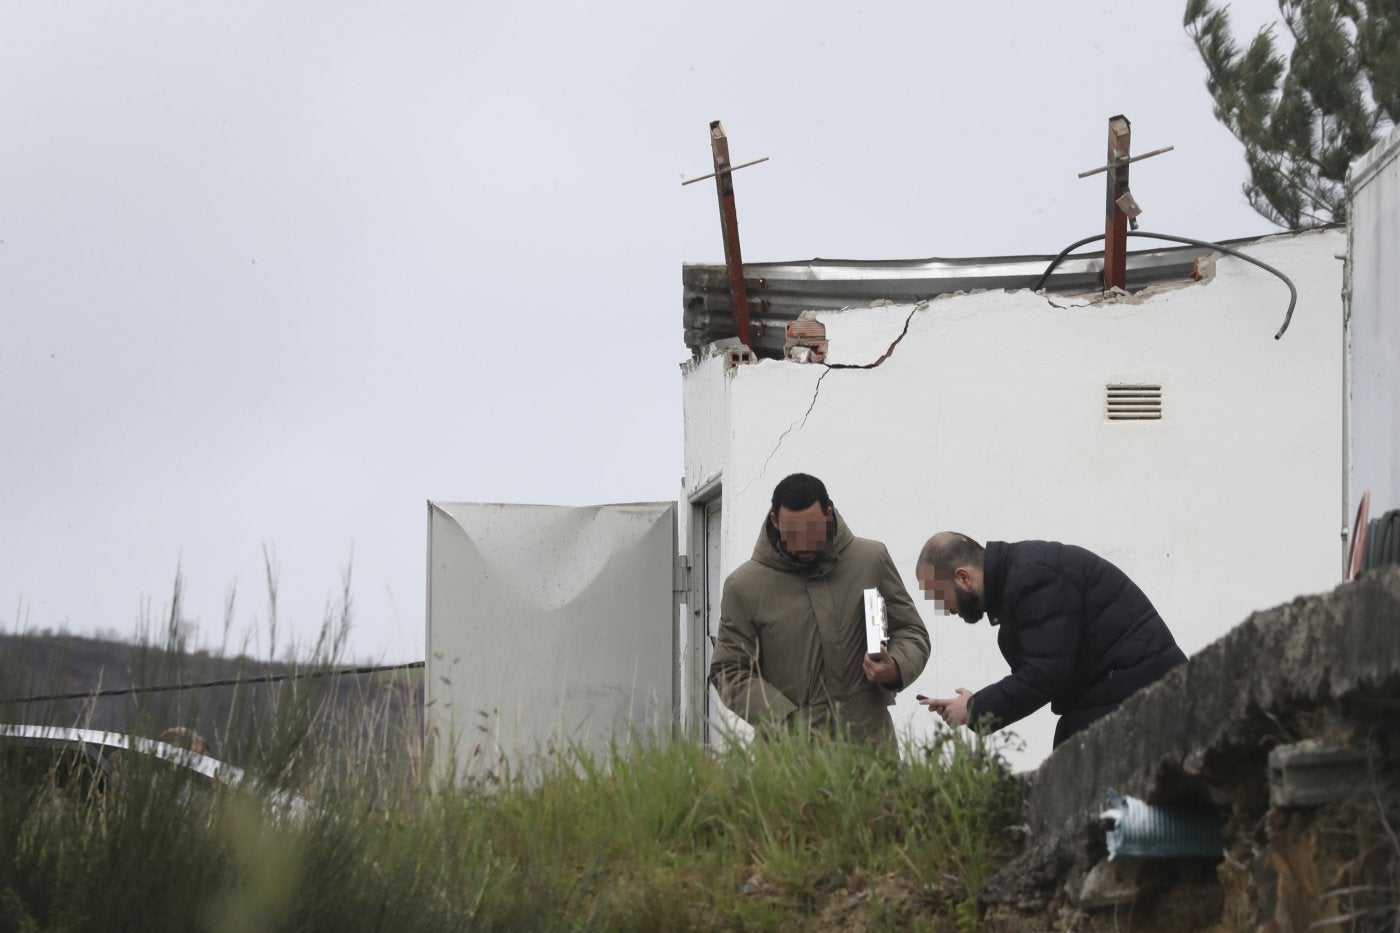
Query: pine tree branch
{"type": "Point", "coordinates": [1302, 122]}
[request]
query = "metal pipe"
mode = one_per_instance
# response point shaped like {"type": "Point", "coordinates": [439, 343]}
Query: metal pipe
{"type": "Point", "coordinates": [1136, 158]}
{"type": "Point", "coordinates": [1134, 829]}
{"type": "Point", "coordinates": [691, 181]}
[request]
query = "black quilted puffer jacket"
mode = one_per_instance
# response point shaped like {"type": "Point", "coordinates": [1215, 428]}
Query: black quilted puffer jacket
{"type": "Point", "coordinates": [1076, 631]}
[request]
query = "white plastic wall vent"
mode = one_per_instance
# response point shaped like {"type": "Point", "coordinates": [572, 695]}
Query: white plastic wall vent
{"type": "Point", "coordinates": [1133, 402]}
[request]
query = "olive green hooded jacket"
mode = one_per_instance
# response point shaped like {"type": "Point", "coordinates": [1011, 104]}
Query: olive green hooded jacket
{"type": "Point", "coordinates": [792, 636]}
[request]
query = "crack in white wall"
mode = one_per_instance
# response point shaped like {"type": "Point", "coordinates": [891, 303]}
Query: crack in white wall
{"type": "Point", "coordinates": [799, 424]}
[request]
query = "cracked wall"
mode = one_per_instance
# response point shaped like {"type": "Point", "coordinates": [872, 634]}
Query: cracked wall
{"type": "Point", "coordinates": [988, 417]}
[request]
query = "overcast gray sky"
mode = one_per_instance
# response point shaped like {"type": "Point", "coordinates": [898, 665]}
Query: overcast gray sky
{"type": "Point", "coordinates": [275, 274]}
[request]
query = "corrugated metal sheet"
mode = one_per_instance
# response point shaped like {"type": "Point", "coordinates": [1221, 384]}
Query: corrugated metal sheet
{"type": "Point", "coordinates": [780, 291]}
{"type": "Point", "coordinates": [96, 746]}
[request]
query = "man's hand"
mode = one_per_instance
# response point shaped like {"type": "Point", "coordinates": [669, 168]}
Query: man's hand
{"type": "Point", "coordinates": [880, 668]}
{"type": "Point", "coordinates": [953, 710]}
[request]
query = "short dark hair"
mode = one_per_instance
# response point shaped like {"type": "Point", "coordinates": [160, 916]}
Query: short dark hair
{"type": "Point", "coordinates": [946, 551]}
{"type": "Point", "coordinates": [798, 491]}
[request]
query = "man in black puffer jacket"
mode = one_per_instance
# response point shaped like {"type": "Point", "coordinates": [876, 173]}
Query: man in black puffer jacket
{"type": "Point", "coordinates": [1076, 631]}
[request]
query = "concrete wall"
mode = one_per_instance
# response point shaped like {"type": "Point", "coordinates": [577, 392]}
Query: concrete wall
{"type": "Point", "coordinates": [1207, 727]}
{"type": "Point", "coordinates": [988, 418]}
{"type": "Point", "coordinates": [1373, 331]}
{"type": "Point", "coordinates": [1319, 679]}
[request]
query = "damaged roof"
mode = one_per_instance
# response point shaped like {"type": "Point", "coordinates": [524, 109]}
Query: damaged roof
{"type": "Point", "coordinates": [780, 291]}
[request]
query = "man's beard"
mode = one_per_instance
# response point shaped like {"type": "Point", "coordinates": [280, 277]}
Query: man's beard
{"type": "Point", "coordinates": [970, 607]}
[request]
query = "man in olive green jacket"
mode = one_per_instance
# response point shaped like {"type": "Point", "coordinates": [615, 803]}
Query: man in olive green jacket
{"type": "Point", "coordinates": [791, 642]}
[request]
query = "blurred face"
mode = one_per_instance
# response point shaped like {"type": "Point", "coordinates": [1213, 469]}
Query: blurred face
{"type": "Point", "coordinates": [955, 597]}
{"type": "Point", "coordinates": [803, 532]}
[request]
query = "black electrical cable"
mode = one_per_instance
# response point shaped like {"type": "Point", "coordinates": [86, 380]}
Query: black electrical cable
{"type": "Point", "coordinates": [1292, 291]}
{"type": "Point", "coordinates": [230, 682]}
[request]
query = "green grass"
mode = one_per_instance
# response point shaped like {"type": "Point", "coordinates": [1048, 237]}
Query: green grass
{"type": "Point", "coordinates": [795, 833]}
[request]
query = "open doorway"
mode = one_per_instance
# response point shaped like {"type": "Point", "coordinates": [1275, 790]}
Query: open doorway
{"type": "Point", "coordinates": [713, 584]}
{"type": "Point", "coordinates": [703, 710]}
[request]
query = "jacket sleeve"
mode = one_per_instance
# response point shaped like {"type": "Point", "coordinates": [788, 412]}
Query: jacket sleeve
{"type": "Point", "coordinates": [908, 636]}
{"type": "Point", "coordinates": [1047, 613]}
{"type": "Point", "coordinates": [736, 666]}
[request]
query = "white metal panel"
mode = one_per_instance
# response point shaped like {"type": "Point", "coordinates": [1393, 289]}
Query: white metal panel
{"type": "Point", "coordinates": [547, 626]}
{"type": "Point", "coordinates": [1373, 329]}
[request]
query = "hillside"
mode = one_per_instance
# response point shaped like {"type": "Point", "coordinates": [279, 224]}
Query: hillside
{"type": "Point", "coordinates": [336, 709]}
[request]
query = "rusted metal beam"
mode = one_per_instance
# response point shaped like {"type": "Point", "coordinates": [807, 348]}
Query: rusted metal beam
{"type": "Point", "coordinates": [1115, 244]}
{"type": "Point", "coordinates": [729, 226]}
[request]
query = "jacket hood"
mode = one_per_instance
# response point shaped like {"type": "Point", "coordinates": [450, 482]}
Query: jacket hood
{"type": "Point", "coordinates": [769, 551]}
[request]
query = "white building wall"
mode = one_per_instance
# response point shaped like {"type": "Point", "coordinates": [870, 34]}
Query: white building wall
{"type": "Point", "coordinates": [707, 435]}
{"type": "Point", "coordinates": [707, 443]}
{"type": "Point", "coordinates": [988, 418]}
{"type": "Point", "coordinates": [1373, 332]}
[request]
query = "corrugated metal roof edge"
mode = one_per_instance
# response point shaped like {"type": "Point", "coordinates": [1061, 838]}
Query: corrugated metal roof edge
{"type": "Point", "coordinates": [779, 291]}
{"type": "Point", "coordinates": [1043, 258]}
